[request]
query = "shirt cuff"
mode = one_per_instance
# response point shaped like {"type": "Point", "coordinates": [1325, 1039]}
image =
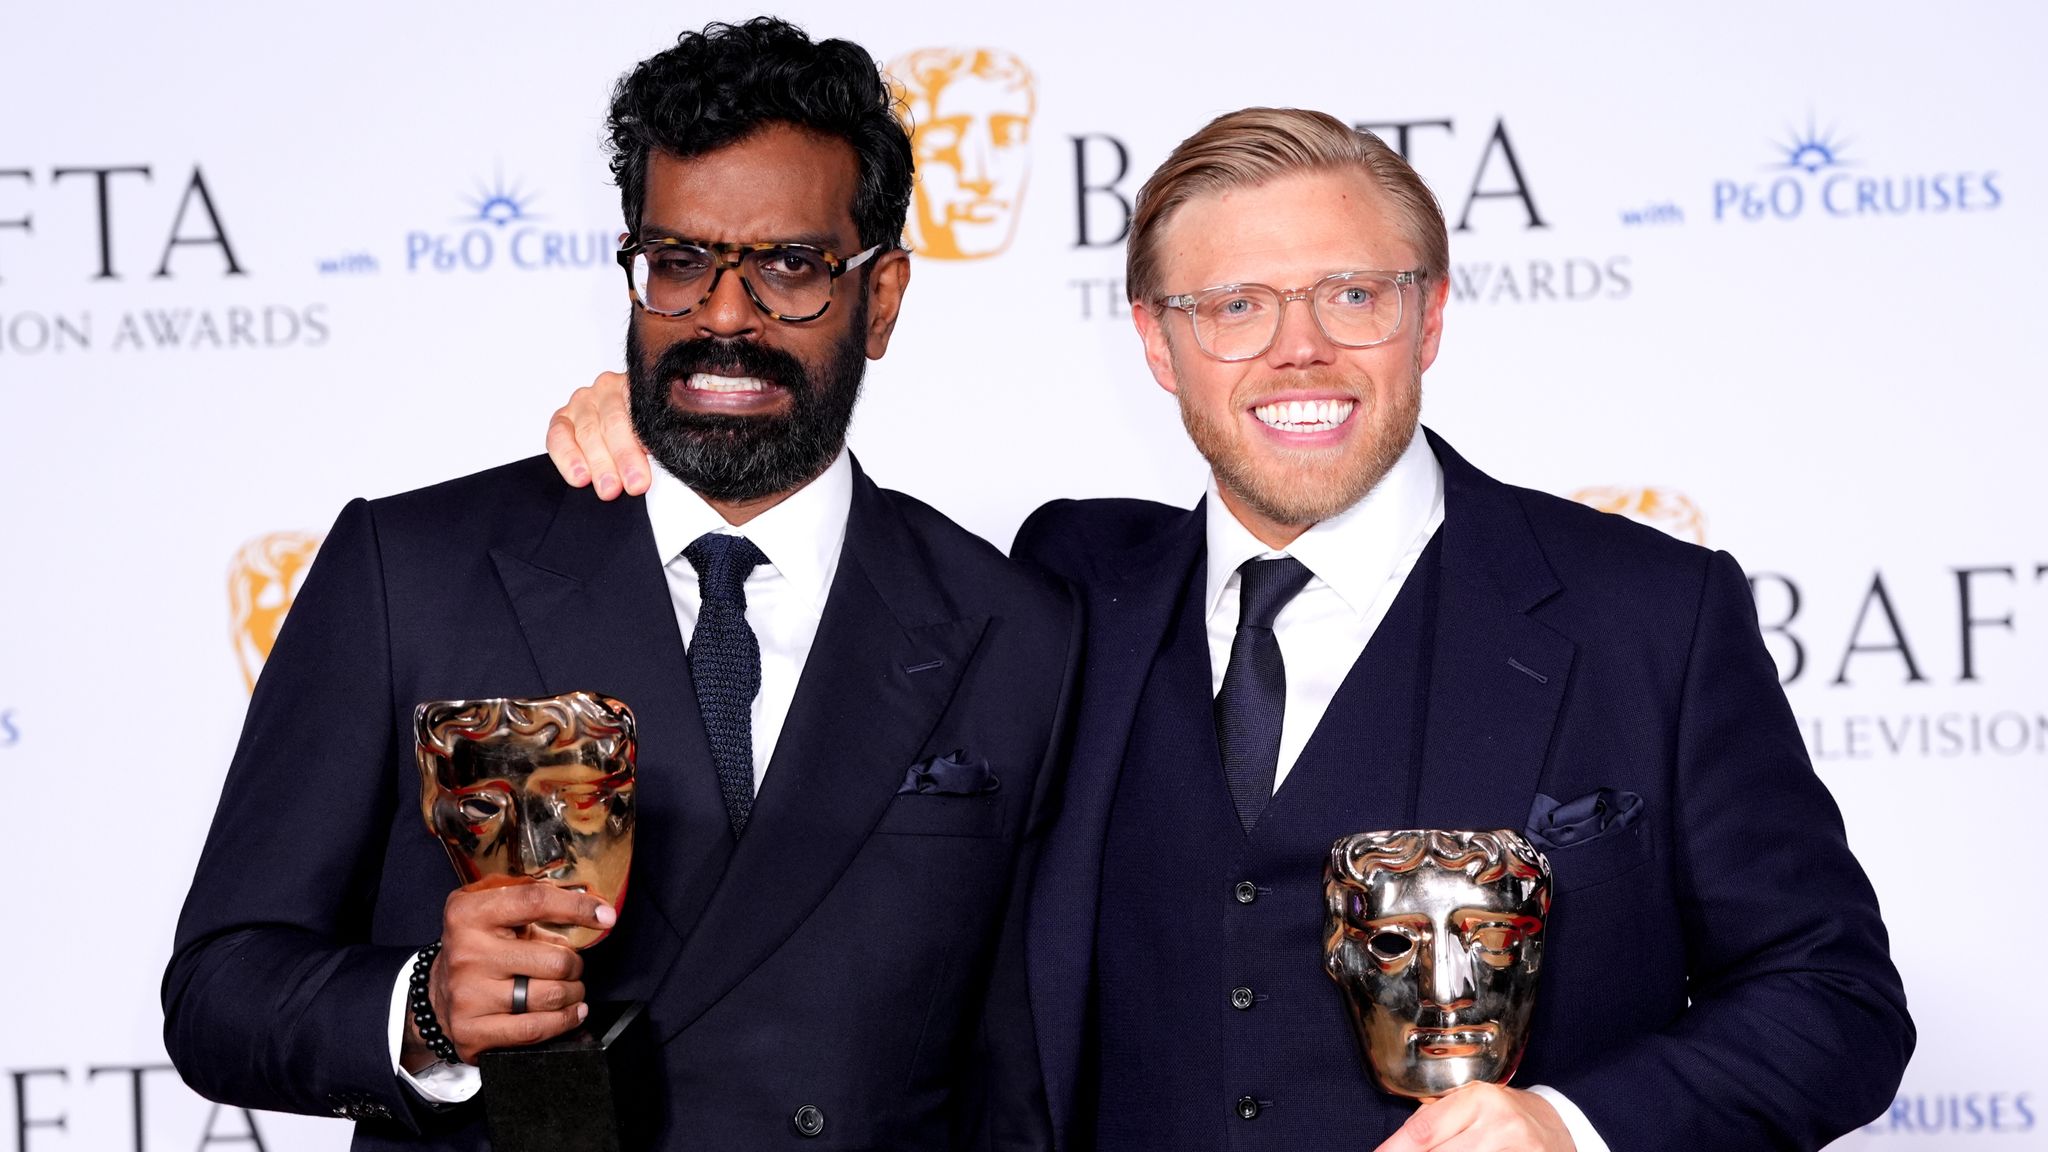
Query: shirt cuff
{"type": "Point", "coordinates": [1581, 1129]}
{"type": "Point", "coordinates": [439, 1082]}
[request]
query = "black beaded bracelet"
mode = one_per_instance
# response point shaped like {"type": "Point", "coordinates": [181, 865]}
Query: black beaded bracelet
{"type": "Point", "coordinates": [423, 1006]}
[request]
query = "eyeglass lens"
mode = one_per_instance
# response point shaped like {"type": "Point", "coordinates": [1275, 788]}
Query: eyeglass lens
{"type": "Point", "coordinates": [1354, 309]}
{"type": "Point", "coordinates": [675, 278]}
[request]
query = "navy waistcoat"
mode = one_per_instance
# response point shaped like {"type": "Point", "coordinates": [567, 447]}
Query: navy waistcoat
{"type": "Point", "coordinates": [1216, 1024]}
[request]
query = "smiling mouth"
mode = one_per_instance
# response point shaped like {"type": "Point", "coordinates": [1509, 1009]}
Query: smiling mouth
{"type": "Point", "coordinates": [710, 382]}
{"type": "Point", "coordinates": [1304, 415]}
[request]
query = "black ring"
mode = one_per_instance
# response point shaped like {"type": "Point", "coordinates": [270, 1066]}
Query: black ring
{"type": "Point", "coordinates": [518, 995]}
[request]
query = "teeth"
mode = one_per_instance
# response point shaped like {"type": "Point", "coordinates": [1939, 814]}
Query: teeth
{"type": "Point", "coordinates": [706, 382]}
{"type": "Point", "coordinates": [1304, 415]}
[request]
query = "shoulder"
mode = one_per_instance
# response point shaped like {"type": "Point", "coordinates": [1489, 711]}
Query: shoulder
{"type": "Point", "coordinates": [528, 482]}
{"type": "Point", "coordinates": [1588, 544]}
{"type": "Point", "coordinates": [1637, 586]}
{"type": "Point", "coordinates": [971, 572]}
{"type": "Point", "coordinates": [1075, 538]}
{"type": "Point", "coordinates": [507, 506]}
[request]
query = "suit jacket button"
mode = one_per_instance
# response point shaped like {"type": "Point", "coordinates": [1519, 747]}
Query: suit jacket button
{"type": "Point", "coordinates": [1241, 999]}
{"type": "Point", "coordinates": [1247, 1108]}
{"type": "Point", "coordinates": [1247, 891]}
{"type": "Point", "coordinates": [808, 1120]}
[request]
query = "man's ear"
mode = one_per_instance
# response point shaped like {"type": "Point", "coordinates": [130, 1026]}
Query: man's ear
{"type": "Point", "coordinates": [1158, 351]}
{"type": "Point", "coordinates": [888, 280]}
{"type": "Point", "coordinates": [1432, 295]}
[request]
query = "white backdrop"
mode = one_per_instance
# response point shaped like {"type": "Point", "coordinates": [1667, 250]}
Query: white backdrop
{"type": "Point", "coordinates": [1766, 273]}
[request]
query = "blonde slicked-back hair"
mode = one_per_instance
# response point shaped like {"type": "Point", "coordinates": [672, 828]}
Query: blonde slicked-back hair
{"type": "Point", "coordinates": [1252, 146]}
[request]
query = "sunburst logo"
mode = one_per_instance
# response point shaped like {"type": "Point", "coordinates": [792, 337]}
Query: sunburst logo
{"type": "Point", "coordinates": [1813, 150]}
{"type": "Point", "coordinates": [499, 203]}
{"type": "Point", "coordinates": [969, 112]}
{"type": "Point", "coordinates": [1665, 509]}
{"type": "Point", "coordinates": [263, 580]}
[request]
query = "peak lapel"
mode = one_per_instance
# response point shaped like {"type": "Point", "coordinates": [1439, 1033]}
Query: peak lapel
{"type": "Point", "coordinates": [595, 609]}
{"type": "Point", "coordinates": [888, 655]}
{"type": "Point", "coordinates": [1127, 617]}
{"type": "Point", "coordinates": [1499, 675]}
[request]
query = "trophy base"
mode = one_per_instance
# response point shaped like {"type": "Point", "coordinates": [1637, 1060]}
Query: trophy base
{"type": "Point", "coordinates": [590, 1090]}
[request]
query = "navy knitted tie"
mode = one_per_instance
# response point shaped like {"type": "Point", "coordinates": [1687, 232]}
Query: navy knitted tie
{"type": "Point", "coordinates": [1254, 696]}
{"type": "Point", "coordinates": [725, 664]}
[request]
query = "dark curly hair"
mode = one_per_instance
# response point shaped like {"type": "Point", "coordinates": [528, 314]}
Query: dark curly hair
{"type": "Point", "coordinates": [718, 86]}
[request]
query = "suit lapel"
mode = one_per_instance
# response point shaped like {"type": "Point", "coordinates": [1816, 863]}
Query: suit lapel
{"type": "Point", "coordinates": [1128, 613]}
{"type": "Point", "coordinates": [888, 655]}
{"type": "Point", "coordinates": [595, 609]}
{"type": "Point", "coordinates": [1499, 675]}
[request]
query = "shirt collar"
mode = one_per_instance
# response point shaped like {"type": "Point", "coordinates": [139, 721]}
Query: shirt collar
{"type": "Point", "coordinates": [1352, 552]}
{"type": "Point", "coordinates": [801, 536]}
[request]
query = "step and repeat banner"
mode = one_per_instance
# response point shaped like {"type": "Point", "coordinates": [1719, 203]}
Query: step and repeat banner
{"type": "Point", "coordinates": [1765, 276]}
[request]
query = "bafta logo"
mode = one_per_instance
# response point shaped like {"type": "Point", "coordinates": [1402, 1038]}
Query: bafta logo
{"type": "Point", "coordinates": [1665, 509]}
{"type": "Point", "coordinates": [264, 577]}
{"type": "Point", "coordinates": [969, 113]}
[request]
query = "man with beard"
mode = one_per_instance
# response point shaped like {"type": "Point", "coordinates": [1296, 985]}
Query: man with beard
{"type": "Point", "coordinates": [1354, 630]}
{"type": "Point", "coordinates": [846, 703]}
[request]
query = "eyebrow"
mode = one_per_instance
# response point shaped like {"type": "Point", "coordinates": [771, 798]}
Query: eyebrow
{"type": "Point", "coordinates": [815, 239]}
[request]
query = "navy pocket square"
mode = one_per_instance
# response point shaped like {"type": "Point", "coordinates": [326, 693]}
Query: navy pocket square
{"type": "Point", "coordinates": [950, 775]}
{"type": "Point", "coordinates": [1596, 814]}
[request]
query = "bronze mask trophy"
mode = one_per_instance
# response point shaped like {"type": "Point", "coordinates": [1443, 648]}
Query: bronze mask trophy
{"type": "Point", "coordinates": [1436, 938]}
{"type": "Point", "coordinates": [541, 791]}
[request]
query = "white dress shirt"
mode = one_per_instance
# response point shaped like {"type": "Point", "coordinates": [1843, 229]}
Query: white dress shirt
{"type": "Point", "coordinates": [801, 537]}
{"type": "Point", "coordinates": [1358, 559]}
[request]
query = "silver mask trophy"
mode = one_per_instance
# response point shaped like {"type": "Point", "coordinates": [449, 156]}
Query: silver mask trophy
{"type": "Point", "coordinates": [1436, 939]}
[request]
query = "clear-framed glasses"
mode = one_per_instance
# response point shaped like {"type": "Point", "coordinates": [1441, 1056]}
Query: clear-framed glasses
{"type": "Point", "coordinates": [1240, 321]}
{"type": "Point", "coordinates": [791, 282]}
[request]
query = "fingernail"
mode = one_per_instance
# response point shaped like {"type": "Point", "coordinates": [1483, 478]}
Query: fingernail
{"type": "Point", "coordinates": [606, 915]}
{"type": "Point", "coordinates": [607, 485]}
{"type": "Point", "coordinates": [634, 479]}
{"type": "Point", "coordinates": [583, 1011]}
{"type": "Point", "coordinates": [578, 473]}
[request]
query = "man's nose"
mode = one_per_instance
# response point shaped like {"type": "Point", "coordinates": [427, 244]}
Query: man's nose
{"type": "Point", "coordinates": [728, 311]}
{"type": "Point", "coordinates": [1300, 342]}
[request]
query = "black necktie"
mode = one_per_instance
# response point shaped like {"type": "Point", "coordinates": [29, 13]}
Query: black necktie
{"type": "Point", "coordinates": [725, 664]}
{"type": "Point", "coordinates": [1254, 696]}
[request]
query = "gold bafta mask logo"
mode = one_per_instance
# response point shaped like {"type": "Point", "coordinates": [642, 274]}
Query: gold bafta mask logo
{"type": "Point", "coordinates": [262, 581]}
{"type": "Point", "coordinates": [969, 113]}
{"type": "Point", "coordinates": [1665, 509]}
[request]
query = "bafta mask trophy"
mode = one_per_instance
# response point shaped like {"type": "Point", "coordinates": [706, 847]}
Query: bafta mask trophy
{"type": "Point", "coordinates": [1436, 939]}
{"type": "Point", "coordinates": [969, 113]}
{"type": "Point", "coordinates": [541, 792]}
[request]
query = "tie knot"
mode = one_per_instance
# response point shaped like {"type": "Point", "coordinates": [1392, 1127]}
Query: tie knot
{"type": "Point", "coordinates": [722, 562]}
{"type": "Point", "coordinates": [1265, 587]}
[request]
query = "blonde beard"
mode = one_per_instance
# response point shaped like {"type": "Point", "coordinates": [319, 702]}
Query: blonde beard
{"type": "Point", "coordinates": [1301, 496]}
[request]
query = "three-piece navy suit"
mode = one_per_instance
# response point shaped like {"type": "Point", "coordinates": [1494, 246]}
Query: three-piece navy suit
{"type": "Point", "coordinates": [1715, 973]}
{"type": "Point", "coordinates": [857, 952]}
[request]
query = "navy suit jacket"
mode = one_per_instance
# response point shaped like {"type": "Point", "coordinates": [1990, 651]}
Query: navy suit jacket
{"type": "Point", "coordinates": [858, 950]}
{"type": "Point", "coordinates": [1716, 976]}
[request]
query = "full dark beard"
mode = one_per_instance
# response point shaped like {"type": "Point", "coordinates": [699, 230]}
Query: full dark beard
{"type": "Point", "coordinates": [741, 458]}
